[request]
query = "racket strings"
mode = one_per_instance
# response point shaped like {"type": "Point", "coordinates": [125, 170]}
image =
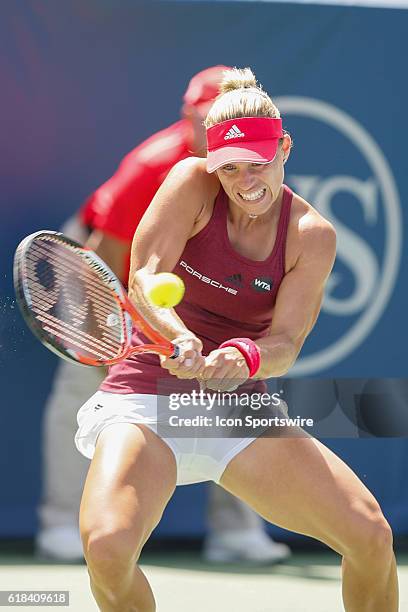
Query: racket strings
{"type": "Point", "coordinates": [60, 329]}
{"type": "Point", "coordinates": [72, 260]}
{"type": "Point", "coordinates": [77, 337]}
{"type": "Point", "coordinates": [44, 305]}
{"type": "Point", "coordinates": [76, 343]}
{"type": "Point", "coordinates": [71, 281]}
{"type": "Point", "coordinates": [70, 301]}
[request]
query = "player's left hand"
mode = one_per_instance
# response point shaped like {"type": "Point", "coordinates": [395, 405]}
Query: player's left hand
{"type": "Point", "coordinates": [190, 362]}
{"type": "Point", "coordinates": [225, 369]}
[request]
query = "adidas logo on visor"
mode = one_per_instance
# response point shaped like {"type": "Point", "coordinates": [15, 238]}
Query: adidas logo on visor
{"type": "Point", "coordinates": [234, 132]}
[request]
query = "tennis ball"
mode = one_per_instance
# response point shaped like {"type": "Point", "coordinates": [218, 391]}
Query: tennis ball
{"type": "Point", "coordinates": [165, 290]}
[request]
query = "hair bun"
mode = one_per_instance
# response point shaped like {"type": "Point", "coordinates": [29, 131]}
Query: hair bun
{"type": "Point", "coordinates": [240, 96]}
{"type": "Point", "coordinates": [238, 78]}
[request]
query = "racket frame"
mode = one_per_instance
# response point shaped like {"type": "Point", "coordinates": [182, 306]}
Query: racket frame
{"type": "Point", "coordinates": [130, 314]}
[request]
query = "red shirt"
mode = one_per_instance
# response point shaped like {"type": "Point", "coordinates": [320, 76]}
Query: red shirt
{"type": "Point", "coordinates": [227, 295]}
{"type": "Point", "coordinates": [118, 205]}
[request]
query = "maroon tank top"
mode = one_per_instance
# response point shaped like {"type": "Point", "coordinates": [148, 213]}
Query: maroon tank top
{"type": "Point", "coordinates": [227, 295]}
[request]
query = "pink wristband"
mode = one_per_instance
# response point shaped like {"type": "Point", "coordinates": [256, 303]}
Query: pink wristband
{"type": "Point", "coordinates": [249, 350]}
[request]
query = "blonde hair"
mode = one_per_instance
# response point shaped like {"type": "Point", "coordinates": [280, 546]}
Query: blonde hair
{"type": "Point", "coordinates": [240, 96]}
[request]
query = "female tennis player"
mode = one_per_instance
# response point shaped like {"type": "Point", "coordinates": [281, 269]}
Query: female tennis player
{"type": "Point", "coordinates": [255, 258]}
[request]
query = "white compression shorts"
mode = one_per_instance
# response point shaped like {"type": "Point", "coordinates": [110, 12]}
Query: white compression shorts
{"type": "Point", "coordinates": [198, 458]}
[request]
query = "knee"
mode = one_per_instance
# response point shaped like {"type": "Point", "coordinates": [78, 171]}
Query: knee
{"type": "Point", "coordinates": [379, 539]}
{"type": "Point", "coordinates": [111, 559]}
{"type": "Point", "coordinates": [371, 536]}
{"type": "Point", "coordinates": [110, 552]}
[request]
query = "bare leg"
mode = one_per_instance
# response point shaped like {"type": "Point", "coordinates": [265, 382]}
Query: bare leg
{"type": "Point", "coordinates": [131, 479]}
{"type": "Point", "coordinates": [299, 484]}
{"type": "Point", "coordinates": [228, 513]}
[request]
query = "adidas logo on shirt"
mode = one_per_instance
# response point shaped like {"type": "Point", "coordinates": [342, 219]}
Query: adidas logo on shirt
{"type": "Point", "coordinates": [234, 132]}
{"type": "Point", "coordinates": [235, 279]}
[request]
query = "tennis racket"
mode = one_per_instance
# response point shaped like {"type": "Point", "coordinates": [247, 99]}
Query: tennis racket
{"type": "Point", "coordinates": [75, 305]}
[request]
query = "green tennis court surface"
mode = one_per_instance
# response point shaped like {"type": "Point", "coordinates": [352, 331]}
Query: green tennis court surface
{"type": "Point", "coordinates": [309, 582]}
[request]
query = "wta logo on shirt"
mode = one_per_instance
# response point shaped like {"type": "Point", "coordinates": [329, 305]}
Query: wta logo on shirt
{"type": "Point", "coordinates": [207, 279]}
{"type": "Point", "coordinates": [262, 284]}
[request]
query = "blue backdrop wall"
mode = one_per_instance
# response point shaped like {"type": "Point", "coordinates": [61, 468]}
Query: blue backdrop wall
{"type": "Point", "coordinates": [83, 82]}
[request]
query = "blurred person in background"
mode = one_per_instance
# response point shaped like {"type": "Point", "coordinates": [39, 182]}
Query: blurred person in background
{"type": "Point", "coordinates": [106, 223]}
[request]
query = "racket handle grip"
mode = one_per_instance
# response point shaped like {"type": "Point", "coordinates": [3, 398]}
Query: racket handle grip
{"type": "Point", "coordinates": [176, 352]}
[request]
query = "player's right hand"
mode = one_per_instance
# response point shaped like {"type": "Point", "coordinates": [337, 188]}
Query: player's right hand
{"type": "Point", "coordinates": [190, 361]}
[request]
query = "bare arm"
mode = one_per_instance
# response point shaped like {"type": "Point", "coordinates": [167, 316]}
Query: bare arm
{"type": "Point", "coordinates": [157, 246]}
{"type": "Point", "coordinates": [298, 301]}
{"type": "Point", "coordinates": [296, 310]}
{"type": "Point", "coordinates": [162, 235]}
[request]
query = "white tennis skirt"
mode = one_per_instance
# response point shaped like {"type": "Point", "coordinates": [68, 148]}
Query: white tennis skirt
{"type": "Point", "coordinates": [198, 458]}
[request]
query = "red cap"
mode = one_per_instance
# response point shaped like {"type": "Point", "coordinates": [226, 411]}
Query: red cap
{"type": "Point", "coordinates": [246, 139]}
{"type": "Point", "coordinates": [205, 85]}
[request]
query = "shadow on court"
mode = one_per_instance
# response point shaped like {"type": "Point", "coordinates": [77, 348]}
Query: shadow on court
{"type": "Point", "coordinates": [312, 566]}
{"type": "Point", "coordinates": [308, 582]}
